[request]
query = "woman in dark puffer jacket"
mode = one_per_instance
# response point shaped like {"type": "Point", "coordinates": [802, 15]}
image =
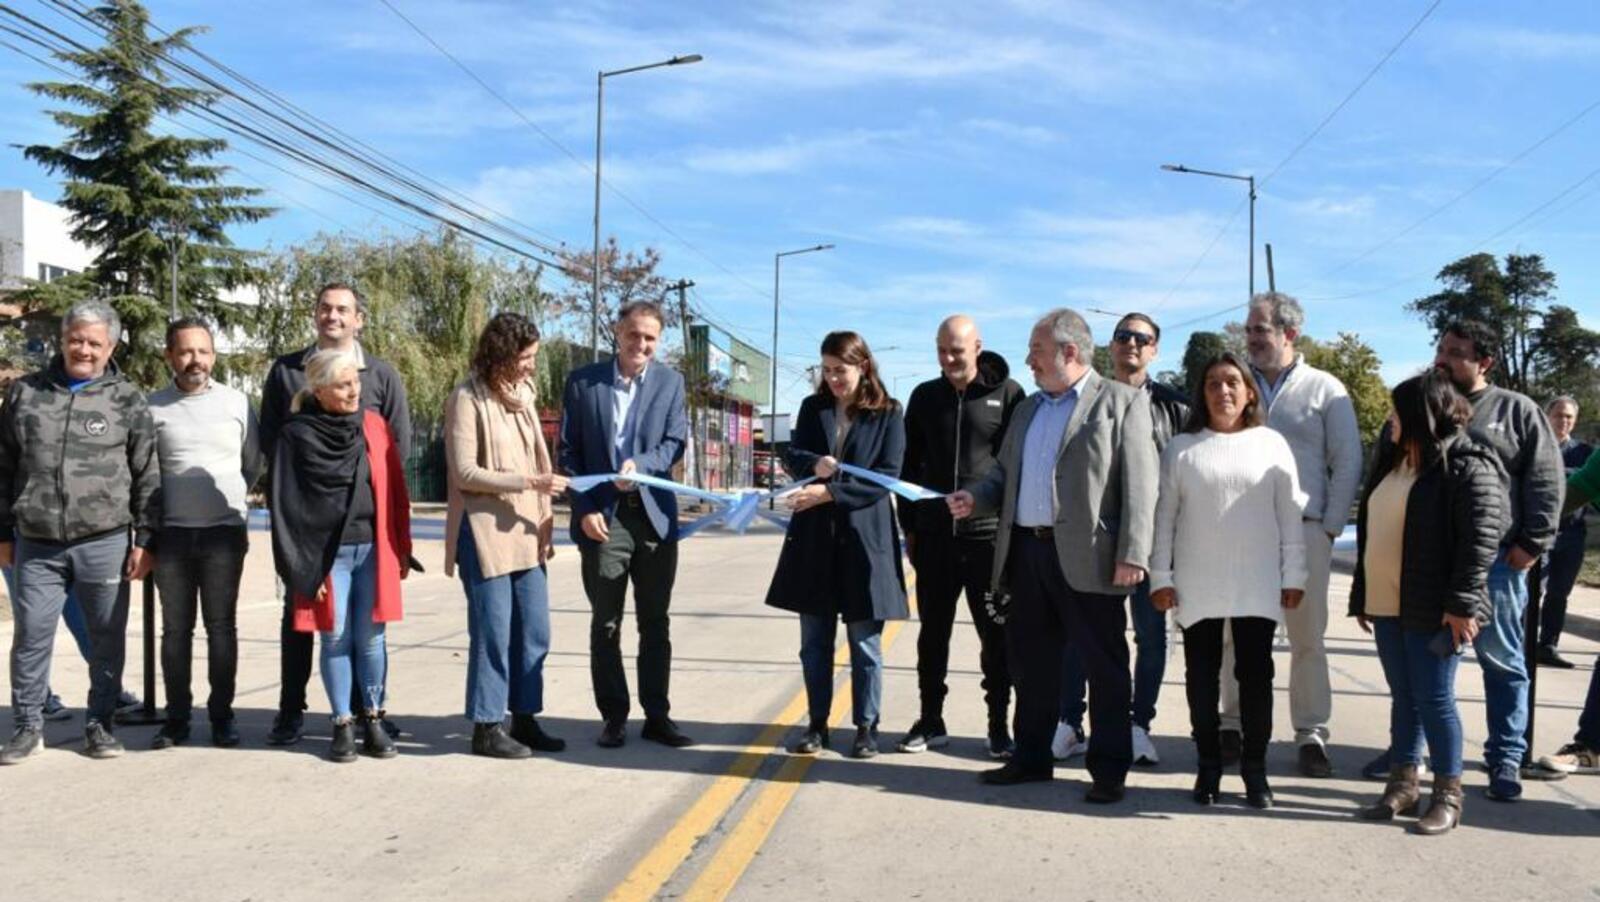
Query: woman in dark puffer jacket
{"type": "Point", "coordinates": [1429, 526]}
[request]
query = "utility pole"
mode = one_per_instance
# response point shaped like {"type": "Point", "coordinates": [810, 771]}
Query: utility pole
{"type": "Point", "coordinates": [690, 377]}
{"type": "Point", "coordinates": [1272, 279]}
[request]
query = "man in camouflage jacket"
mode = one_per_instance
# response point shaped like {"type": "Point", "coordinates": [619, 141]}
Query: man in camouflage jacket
{"type": "Point", "coordinates": [78, 470]}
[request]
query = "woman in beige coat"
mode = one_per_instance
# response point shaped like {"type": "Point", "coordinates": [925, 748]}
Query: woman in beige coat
{"type": "Point", "coordinates": [498, 536]}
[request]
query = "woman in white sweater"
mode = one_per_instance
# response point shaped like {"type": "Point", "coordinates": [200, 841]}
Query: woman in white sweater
{"type": "Point", "coordinates": [1228, 550]}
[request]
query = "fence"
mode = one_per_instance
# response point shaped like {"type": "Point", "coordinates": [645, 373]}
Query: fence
{"type": "Point", "coordinates": [426, 478]}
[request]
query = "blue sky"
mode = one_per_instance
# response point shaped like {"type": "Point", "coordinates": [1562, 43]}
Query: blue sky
{"type": "Point", "coordinates": [997, 159]}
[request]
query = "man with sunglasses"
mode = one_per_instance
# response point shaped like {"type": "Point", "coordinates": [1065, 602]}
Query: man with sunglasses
{"type": "Point", "coordinates": [1134, 344]}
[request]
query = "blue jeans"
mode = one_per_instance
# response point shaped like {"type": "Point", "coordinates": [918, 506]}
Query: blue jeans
{"type": "Point", "coordinates": [508, 625]}
{"type": "Point", "coordinates": [71, 613]}
{"type": "Point", "coordinates": [866, 667]}
{"type": "Point", "coordinates": [1422, 697]}
{"type": "Point", "coordinates": [1505, 669]}
{"type": "Point", "coordinates": [353, 651]}
{"type": "Point", "coordinates": [1149, 665]}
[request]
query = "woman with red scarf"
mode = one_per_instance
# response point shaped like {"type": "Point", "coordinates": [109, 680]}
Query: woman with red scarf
{"type": "Point", "coordinates": [341, 540]}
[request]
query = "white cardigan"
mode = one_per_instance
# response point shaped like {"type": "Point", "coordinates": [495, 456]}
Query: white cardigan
{"type": "Point", "coordinates": [1228, 534]}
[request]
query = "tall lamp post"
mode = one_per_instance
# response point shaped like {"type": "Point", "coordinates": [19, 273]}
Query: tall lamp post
{"type": "Point", "coordinates": [1170, 167]}
{"type": "Point", "coordinates": [772, 402]}
{"type": "Point", "coordinates": [599, 114]}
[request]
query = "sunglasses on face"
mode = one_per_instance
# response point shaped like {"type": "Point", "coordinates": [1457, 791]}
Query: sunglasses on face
{"type": "Point", "coordinates": [1129, 336]}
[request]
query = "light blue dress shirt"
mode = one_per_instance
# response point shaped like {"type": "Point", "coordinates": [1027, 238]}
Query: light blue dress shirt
{"type": "Point", "coordinates": [1036, 497]}
{"type": "Point", "coordinates": [624, 412]}
{"type": "Point", "coordinates": [1269, 390]}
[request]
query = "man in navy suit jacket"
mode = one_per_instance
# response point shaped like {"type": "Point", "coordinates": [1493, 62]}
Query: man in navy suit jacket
{"type": "Point", "coordinates": [623, 416]}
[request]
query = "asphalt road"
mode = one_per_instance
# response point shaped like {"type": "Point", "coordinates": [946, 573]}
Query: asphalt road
{"type": "Point", "coordinates": [734, 816]}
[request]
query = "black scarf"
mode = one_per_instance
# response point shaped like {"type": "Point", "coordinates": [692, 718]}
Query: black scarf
{"type": "Point", "coordinates": [321, 457]}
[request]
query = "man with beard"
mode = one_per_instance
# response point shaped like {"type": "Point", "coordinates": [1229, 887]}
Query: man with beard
{"type": "Point", "coordinates": [206, 441]}
{"type": "Point", "coordinates": [1518, 431]}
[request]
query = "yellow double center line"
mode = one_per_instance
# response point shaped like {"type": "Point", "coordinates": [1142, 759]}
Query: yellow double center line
{"type": "Point", "coordinates": [720, 875]}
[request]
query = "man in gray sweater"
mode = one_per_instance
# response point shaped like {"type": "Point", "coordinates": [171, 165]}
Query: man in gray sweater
{"type": "Point", "coordinates": [1514, 426]}
{"type": "Point", "coordinates": [1312, 411]}
{"type": "Point", "coordinates": [206, 442]}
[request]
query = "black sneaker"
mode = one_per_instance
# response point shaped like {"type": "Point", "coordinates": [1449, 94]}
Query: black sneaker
{"type": "Point", "coordinates": [812, 741]}
{"type": "Point", "coordinates": [866, 744]}
{"type": "Point", "coordinates": [926, 733]}
{"type": "Point", "coordinates": [287, 728]}
{"type": "Point", "coordinates": [171, 734]}
{"type": "Point", "coordinates": [1313, 761]}
{"type": "Point", "coordinates": [98, 743]}
{"type": "Point", "coordinates": [1000, 744]}
{"type": "Point", "coordinates": [491, 741]}
{"type": "Point", "coordinates": [24, 743]}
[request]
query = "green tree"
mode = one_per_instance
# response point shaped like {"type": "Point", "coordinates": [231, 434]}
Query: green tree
{"type": "Point", "coordinates": [129, 190]}
{"type": "Point", "coordinates": [427, 296]}
{"type": "Point", "coordinates": [1564, 357]}
{"type": "Point", "coordinates": [1354, 363]}
{"type": "Point", "coordinates": [1509, 299]}
{"type": "Point", "coordinates": [1202, 347]}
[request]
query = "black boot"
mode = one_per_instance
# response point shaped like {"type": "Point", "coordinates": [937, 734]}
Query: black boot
{"type": "Point", "coordinates": [1256, 791]}
{"type": "Point", "coordinates": [375, 741]}
{"type": "Point", "coordinates": [526, 730]}
{"type": "Point", "coordinates": [1208, 783]}
{"type": "Point", "coordinates": [491, 741]}
{"type": "Point", "coordinates": [343, 749]}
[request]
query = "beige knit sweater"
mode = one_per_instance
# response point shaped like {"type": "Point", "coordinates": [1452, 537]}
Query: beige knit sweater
{"type": "Point", "coordinates": [492, 446]}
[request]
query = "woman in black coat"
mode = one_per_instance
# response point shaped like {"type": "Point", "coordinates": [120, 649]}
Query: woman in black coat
{"type": "Point", "coordinates": [1428, 529]}
{"type": "Point", "coordinates": [841, 557]}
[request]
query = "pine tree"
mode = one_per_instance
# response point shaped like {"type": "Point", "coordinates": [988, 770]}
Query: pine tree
{"type": "Point", "coordinates": [131, 189]}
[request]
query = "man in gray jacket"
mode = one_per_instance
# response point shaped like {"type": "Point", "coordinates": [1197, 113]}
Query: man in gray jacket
{"type": "Point", "coordinates": [1511, 424]}
{"type": "Point", "coordinates": [78, 468]}
{"type": "Point", "coordinates": [1311, 409]}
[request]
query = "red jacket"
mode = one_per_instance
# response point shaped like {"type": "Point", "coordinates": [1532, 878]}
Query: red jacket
{"type": "Point", "coordinates": [391, 528]}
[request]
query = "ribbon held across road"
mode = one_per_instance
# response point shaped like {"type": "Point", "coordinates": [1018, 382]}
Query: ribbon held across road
{"type": "Point", "coordinates": [737, 510]}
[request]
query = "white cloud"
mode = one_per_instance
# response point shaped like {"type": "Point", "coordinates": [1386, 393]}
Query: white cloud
{"type": "Point", "coordinates": [789, 154]}
{"type": "Point", "coordinates": [1014, 131]}
{"type": "Point", "coordinates": [1526, 43]}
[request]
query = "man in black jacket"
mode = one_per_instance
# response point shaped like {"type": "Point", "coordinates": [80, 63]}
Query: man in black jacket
{"type": "Point", "coordinates": [954, 426]}
{"type": "Point", "coordinates": [340, 313]}
{"type": "Point", "coordinates": [1134, 343]}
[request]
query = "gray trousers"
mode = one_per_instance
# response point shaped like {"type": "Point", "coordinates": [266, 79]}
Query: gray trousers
{"type": "Point", "coordinates": [46, 572]}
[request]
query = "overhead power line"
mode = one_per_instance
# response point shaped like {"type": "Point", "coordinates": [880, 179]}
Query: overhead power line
{"type": "Point", "coordinates": [1339, 107]}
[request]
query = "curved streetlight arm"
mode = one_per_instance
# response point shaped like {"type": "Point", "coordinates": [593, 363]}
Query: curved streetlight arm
{"type": "Point", "coordinates": [675, 61]}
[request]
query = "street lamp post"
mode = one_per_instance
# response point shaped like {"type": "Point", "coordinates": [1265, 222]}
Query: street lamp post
{"type": "Point", "coordinates": [599, 114]}
{"type": "Point", "coordinates": [1170, 167]}
{"type": "Point", "coordinates": [772, 402]}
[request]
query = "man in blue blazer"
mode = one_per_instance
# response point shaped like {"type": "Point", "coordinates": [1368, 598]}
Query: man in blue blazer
{"type": "Point", "coordinates": [626, 415]}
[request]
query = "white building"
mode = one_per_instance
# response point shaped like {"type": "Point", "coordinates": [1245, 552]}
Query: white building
{"type": "Point", "coordinates": [34, 241]}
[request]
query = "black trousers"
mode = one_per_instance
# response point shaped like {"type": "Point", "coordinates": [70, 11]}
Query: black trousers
{"type": "Point", "coordinates": [946, 567]}
{"type": "Point", "coordinates": [632, 553]}
{"type": "Point", "coordinates": [1252, 666]}
{"type": "Point", "coordinates": [200, 568]}
{"type": "Point", "coordinates": [1046, 614]}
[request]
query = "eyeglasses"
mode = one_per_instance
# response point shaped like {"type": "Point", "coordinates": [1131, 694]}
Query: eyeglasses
{"type": "Point", "coordinates": [1129, 336]}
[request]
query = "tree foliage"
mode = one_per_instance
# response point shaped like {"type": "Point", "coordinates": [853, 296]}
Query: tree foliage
{"type": "Point", "coordinates": [130, 190]}
{"type": "Point", "coordinates": [1564, 359]}
{"type": "Point", "coordinates": [427, 296]}
{"type": "Point", "coordinates": [1354, 363]}
{"type": "Point", "coordinates": [625, 277]}
{"type": "Point", "coordinates": [1202, 347]}
{"type": "Point", "coordinates": [1509, 300]}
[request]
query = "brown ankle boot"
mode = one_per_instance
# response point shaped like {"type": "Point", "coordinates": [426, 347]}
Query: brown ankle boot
{"type": "Point", "coordinates": [1400, 796]}
{"type": "Point", "coordinates": [1444, 809]}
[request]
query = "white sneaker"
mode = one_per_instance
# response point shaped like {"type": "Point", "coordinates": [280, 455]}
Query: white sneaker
{"type": "Point", "coordinates": [1067, 743]}
{"type": "Point", "coordinates": [1144, 751]}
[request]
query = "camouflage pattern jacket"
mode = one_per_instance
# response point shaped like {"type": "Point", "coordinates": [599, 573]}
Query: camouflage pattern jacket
{"type": "Point", "coordinates": [77, 464]}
